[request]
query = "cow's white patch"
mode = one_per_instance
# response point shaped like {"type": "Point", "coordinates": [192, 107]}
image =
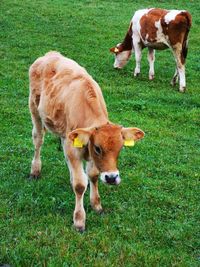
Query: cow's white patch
{"type": "Point", "coordinates": [121, 59]}
{"type": "Point", "coordinates": [138, 14]}
{"type": "Point", "coordinates": [160, 36]}
{"type": "Point", "coordinates": [171, 15]}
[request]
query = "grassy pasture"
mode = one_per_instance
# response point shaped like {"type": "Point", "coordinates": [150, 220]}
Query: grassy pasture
{"type": "Point", "coordinates": [152, 218]}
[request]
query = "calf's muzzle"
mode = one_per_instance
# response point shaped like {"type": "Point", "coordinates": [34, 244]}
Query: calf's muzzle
{"type": "Point", "coordinates": [111, 178]}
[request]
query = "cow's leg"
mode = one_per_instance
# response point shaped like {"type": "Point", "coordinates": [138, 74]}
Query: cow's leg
{"type": "Point", "coordinates": [138, 56]}
{"type": "Point", "coordinates": [151, 59]}
{"type": "Point", "coordinates": [182, 82]}
{"type": "Point", "coordinates": [175, 78]}
{"type": "Point", "coordinates": [79, 184]}
{"type": "Point", "coordinates": [37, 135]}
{"type": "Point", "coordinates": [93, 175]}
{"type": "Point", "coordinates": [180, 62]}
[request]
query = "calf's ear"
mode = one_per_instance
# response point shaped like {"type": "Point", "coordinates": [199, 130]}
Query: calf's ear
{"type": "Point", "coordinates": [80, 137]}
{"type": "Point", "coordinates": [132, 134]}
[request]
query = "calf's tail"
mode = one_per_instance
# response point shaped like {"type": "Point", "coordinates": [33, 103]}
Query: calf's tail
{"type": "Point", "coordinates": [185, 40]}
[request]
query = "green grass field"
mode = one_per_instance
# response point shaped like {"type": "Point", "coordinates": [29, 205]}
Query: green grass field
{"type": "Point", "coordinates": [152, 218]}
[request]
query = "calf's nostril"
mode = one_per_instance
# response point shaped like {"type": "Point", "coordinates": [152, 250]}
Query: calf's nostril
{"type": "Point", "coordinates": [107, 178]}
{"type": "Point", "coordinates": [111, 179]}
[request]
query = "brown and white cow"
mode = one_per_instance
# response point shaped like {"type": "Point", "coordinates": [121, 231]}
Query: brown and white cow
{"type": "Point", "coordinates": [66, 100]}
{"type": "Point", "coordinates": [156, 28]}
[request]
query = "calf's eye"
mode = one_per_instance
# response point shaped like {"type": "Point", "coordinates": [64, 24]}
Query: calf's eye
{"type": "Point", "coordinates": [97, 150]}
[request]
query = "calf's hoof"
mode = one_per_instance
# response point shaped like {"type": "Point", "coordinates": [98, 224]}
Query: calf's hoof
{"type": "Point", "coordinates": [79, 221]}
{"type": "Point", "coordinates": [34, 176]}
{"type": "Point", "coordinates": [80, 229]}
{"type": "Point", "coordinates": [97, 208]}
{"type": "Point", "coordinates": [100, 211]}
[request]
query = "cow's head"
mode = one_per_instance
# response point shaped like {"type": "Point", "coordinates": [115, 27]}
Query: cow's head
{"type": "Point", "coordinates": [122, 56]}
{"type": "Point", "coordinates": [104, 144]}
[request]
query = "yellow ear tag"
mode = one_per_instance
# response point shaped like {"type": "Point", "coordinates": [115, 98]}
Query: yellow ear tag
{"type": "Point", "coordinates": [77, 143]}
{"type": "Point", "coordinates": [129, 143]}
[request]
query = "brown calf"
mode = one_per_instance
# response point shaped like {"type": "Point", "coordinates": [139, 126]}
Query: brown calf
{"type": "Point", "coordinates": [156, 28]}
{"type": "Point", "coordinates": [66, 100]}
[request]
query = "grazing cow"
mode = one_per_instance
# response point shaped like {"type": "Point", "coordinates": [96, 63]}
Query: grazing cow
{"type": "Point", "coordinates": [65, 100]}
{"type": "Point", "coordinates": [156, 28]}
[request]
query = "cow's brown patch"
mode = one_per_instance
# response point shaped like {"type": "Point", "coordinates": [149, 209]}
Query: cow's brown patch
{"type": "Point", "coordinates": [147, 22]}
{"type": "Point", "coordinates": [177, 31]}
{"type": "Point", "coordinates": [127, 43]}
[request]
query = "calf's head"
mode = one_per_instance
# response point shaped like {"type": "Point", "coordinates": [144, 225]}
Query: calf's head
{"type": "Point", "coordinates": [122, 56]}
{"type": "Point", "coordinates": [104, 145]}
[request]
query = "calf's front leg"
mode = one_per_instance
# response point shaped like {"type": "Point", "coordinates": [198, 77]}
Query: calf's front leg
{"type": "Point", "coordinates": [93, 175]}
{"type": "Point", "coordinates": [79, 184]}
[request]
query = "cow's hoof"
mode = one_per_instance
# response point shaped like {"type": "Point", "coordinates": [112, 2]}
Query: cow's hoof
{"type": "Point", "coordinates": [173, 83]}
{"type": "Point", "coordinates": [182, 89]}
{"type": "Point", "coordinates": [34, 176]}
{"type": "Point", "coordinates": [136, 74]}
{"type": "Point", "coordinates": [151, 77]}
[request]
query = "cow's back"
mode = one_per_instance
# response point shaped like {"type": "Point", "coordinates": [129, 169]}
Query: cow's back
{"type": "Point", "coordinates": [161, 28]}
{"type": "Point", "coordinates": [64, 93]}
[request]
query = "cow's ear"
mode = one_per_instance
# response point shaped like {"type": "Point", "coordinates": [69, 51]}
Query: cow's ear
{"type": "Point", "coordinates": [80, 137]}
{"type": "Point", "coordinates": [114, 50]}
{"type": "Point", "coordinates": [131, 134]}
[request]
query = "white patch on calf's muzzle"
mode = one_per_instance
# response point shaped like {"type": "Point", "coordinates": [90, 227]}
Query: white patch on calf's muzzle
{"type": "Point", "coordinates": [111, 177]}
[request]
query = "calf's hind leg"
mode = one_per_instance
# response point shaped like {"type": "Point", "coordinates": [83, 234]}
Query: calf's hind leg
{"type": "Point", "coordinates": [37, 135]}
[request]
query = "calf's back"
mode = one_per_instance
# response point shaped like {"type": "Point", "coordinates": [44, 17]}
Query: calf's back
{"type": "Point", "coordinates": [64, 94]}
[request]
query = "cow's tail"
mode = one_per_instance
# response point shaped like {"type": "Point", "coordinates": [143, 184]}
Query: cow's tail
{"type": "Point", "coordinates": [185, 40]}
